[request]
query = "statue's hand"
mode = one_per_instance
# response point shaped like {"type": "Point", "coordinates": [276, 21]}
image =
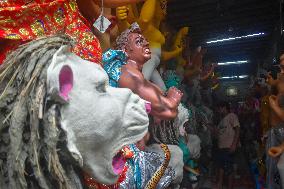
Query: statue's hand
{"type": "Point", "coordinates": [122, 12]}
{"type": "Point", "coordinates": [275, 151]}
{"type": "Point", "coordinates": [175, 95]}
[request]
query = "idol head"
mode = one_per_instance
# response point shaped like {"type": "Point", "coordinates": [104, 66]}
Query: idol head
{"type": "Point", "coordinates": [134, 44]}
{"type": "Point", "coordinates": [99, 120]}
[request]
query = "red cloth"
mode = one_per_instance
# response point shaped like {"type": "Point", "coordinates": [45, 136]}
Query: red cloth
{"type": "Point", "coordinates": [28, 20]}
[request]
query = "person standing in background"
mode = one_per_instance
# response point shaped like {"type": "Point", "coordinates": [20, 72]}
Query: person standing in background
{"type": "Point", "coordinates": [228, 131]}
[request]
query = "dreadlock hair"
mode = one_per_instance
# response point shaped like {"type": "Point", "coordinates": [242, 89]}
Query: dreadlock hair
{"type": "Point", "coordinates": [33, 146]}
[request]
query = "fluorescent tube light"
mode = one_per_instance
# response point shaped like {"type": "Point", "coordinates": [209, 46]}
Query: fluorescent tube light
{"type": "Point", "coordinates": [234, 38]}
{"type": "Point", "coordinates": [233, 62]}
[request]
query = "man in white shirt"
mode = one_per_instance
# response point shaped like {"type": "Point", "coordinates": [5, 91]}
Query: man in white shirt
{"type": "Point", "coordinates": [228, 139]}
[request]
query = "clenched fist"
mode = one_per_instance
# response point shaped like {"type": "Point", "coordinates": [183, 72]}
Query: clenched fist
{"type": "Point", "coordinates": [175, 94]}
{"type": "Point", "coordinates": [122, 12]}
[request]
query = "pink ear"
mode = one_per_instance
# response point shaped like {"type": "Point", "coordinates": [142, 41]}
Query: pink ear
{"type": "Point", "coordinates": [65, 82]}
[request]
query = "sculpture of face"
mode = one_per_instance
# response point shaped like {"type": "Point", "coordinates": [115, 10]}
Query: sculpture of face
{"type": "Point", "coordinates": [98, 119]}
{"type": "Point", "coordinates": [137, 48]}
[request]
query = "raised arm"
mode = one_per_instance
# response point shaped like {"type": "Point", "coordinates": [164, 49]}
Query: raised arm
{"type": "Point", "coordinates": [147, 13]}
{"type": "Point", "coordinates": [180, 36]}
{"type": "Point", "coordinates": [90, 10]}
{"type": "Point", "coordinates": [163, 107]}
{"type": "Point", "coordinates": [167, 55]}
{"type": "Point", "coordinates": [121, 15]}
{"type": "Point", "coordinates": [177, 45]}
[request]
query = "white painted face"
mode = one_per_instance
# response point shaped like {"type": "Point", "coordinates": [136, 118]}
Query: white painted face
{"type": "Point", "coordinates": [98, 119]}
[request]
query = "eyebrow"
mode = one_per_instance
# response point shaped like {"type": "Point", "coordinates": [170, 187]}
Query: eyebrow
{"type": "Point", "coordinates": [139, 38]}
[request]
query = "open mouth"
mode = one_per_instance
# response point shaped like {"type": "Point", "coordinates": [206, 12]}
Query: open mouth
{"type": "Point", "coordinates": [119, 160]}
{"type": "Point", "coordinates": [147, 51]}
{"type": "Point", "coordinates": [118, 163]}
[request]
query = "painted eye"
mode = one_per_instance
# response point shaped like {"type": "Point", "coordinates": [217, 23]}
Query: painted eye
{"type": "Point", "coordinates": [139, 42]}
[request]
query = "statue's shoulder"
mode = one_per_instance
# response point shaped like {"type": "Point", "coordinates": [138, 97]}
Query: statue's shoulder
{"type": "Point", "coordinates": [131, 73]}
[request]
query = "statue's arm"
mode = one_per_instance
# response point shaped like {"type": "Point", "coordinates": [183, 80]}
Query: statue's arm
{"type": "Point", "coordinates": [147, 13]}
{"type": "Point", "coordinates": [163, 107]}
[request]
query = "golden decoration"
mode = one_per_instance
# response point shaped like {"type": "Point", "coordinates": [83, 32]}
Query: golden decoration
{"type": "Point", "coordinates": [23, 31]}
{"type": "Point", "coordinates": [37, 28]}
{"type": "Point", "coordinates": [49, 22]}
{"type": "Point", "coordinates": [8, 20]}
{"type": "Point", "coordinates": [73, 5]}
{"type": "Point", "coordinates": [90, 47]}
{"type": "Point", "coordinates": [13, 36]}
{"type": "Point", "coordinates": [59, 16]}
{"type": "Point", "coordinates": [7, 30]}
{"type": "Point", "coordinates": [37, 8]}
{"type": "Point", "coordinates": [71, 26]}
{"type": "Point", "coordinates": [10, 8]}
{"type": "Point", "coordinates": [87, 37]}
